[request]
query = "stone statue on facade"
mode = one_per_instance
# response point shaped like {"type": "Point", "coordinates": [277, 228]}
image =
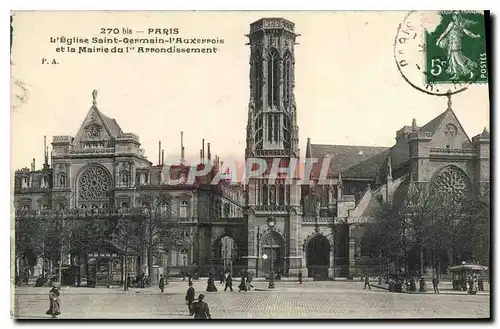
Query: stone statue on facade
{"type": "Point", "coordinates": [318, 207]}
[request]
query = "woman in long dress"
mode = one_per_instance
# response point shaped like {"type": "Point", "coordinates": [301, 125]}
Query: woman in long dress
{"type": "Point", "coordinates": [54, 301]}
{"type": "Point", "coordinates": [243, 285]}
{"type": "Point", "coordinates": [211, 284]}
{"type": "Point", "coordinates": [451, 40]}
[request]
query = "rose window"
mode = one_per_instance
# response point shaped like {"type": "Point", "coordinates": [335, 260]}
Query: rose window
{"type": "Point", "coordinates": [94, 184]}
{"type": "Point", "coordinates": [452, 184]}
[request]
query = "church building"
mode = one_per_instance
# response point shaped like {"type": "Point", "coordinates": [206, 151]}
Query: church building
{"type": "Point", "coordinates": [313, 228]}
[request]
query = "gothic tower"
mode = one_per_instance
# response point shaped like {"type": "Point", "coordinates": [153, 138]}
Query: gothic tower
{"type": "Point", "coordinates": [272, 136]}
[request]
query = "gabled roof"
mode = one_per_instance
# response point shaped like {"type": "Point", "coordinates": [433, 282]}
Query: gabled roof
{"type": "Point", "coordinates": [113, 126]}
{"type": "Point", "coordinates": [368, 168]}
{"type": "Point", "coordinates": [371, 161]}
{"type": "Point", "coordinates": [434, 124]}
{"type": "Point", "coordinates": [343, 157]}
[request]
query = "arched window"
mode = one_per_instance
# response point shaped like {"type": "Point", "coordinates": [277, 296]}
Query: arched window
{"type": "Point", "coordinates": [286, 132]}
{"type": "Point", "coordinates": [164, 208]}
{"type": "Point", "coordinates": [124, 205]}
{"type": "Point", "coordinates": [264, 195]}
{"type": "Point", "coordinates": [257, 75]}
{"type": "Point", "coordinates": [287, 79]}
{"type": "Point", "coordinates": [273, 78]}
{"type": "Point", "coordinates": [104, 206]}
{"type": "Point", "coordinates": [281, 194]}
{"type": "Point", "coordinates": [183, 213]}
{"type": "Point", "coordinates": [184, 257]}
{"type": "Point", "coordinates": [276, 127]}
{"type": "Point", "coordinates": [83, 206]}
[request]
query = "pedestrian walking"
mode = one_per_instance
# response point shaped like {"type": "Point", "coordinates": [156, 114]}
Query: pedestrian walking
{"type": "Point", "coordinates": [229, 283]}
{"type": "Point", "coordinates": [422, 287]}
{"type": "Point", "coordinates": [201, 309]}
{"type": "Point", "coordinates": [243, 284]}
{"type": "Point", "coordinates": [162, 283]}
{"type": "Point", "coordinates": [54, 301]}
{"type": "Point", "coordinates": [367, 282]}
{"type": "Point", "coordinates": [249, 282]}
{"type": "Point", "coordinates": [413, 284]}
{"type": "Point", "coordinates": [435, 283]}
{"type": "Point", "coordinates": [222, 277]}
{"type": "Point", "coordinates": [211, 283]}
{"type": "Point", "coordinates": [480, 283]}
{"type": "Point", "coordinates": [300, 277]}
{"type": "Point", "coordinates": [190, 297]}
{"type": "Point", "coordinates": [129, 281]}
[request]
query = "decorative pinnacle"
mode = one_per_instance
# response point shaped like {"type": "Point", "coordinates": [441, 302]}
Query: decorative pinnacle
{"type": "Point", "coordinates": [94, 96]}
{"type": "Point", "coordinates": [448, 94]}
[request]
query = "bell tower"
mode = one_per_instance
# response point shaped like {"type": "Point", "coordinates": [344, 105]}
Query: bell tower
{"type": "Point", "coordinates": [272, 136]}
{"type": "Point", "coordinates": [272, 118]}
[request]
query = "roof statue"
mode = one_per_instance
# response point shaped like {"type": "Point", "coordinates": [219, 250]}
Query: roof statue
{"type": "Point", "coordinates": [94, 96]}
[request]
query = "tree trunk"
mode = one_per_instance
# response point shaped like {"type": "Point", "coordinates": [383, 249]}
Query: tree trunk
{"type": "Point", "coordinates": [422, 261]}
{"type": "Point", "coordinates": [124, 270]}
{"type": "Point", "coordinates": [150, 263]}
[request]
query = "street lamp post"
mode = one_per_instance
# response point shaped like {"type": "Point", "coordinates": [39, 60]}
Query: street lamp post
{"type": "Point", "coordinates": [270, 223]}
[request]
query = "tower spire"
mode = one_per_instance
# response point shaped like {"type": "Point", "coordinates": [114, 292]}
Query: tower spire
{"type": "Point", "coordinates": [272, 125]}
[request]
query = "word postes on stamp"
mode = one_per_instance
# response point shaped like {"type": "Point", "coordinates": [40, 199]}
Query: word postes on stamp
{"type": "Point", "coordinates": [442, 52]}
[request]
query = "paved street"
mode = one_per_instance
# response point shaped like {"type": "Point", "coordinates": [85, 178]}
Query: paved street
{"type": "Point", "coordinates": [340, 299]}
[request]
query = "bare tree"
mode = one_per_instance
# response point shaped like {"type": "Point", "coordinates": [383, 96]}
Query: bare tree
{"type": "Point", "coordinates": [128, 236]}
{"type": "Point", "coordinates": [159, 229]}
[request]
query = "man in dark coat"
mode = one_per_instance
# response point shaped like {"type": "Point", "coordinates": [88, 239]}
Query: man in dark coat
{"type": "Point", "coordinates": [129, 281]}
{"type": "Point", "coordinates": [222, 277]}
{"type": "Point", "coordinates": [190, 297]}
{"type": "Point", "coordinates": [229, 283]}
{"type": "Point", "coordinates": [435, 283]}
{"type": "Point", "coordinates": [367, 282]}
{"type": "Point", "coordinates": [201, 309]}
{"type": "Point", "coordinates": [162, 282]}
{"type": "Point", "coordinates": [300, 277]}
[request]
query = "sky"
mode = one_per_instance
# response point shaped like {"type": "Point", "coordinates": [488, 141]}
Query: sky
{"type": "Point", "coordinates": [347, 86]}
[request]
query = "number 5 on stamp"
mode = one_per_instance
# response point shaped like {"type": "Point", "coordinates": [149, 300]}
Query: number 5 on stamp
{"type": "Point", "coordinates": [456, 49]}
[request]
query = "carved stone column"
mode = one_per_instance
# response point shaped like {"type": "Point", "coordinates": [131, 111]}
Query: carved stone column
{"type": "Point", "coordinates": [331, 268]}
{"type": "Point", "coordinates": [352, 252]}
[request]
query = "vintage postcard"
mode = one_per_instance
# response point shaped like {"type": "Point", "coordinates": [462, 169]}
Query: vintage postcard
{"type": "Point", "coordinates": [216, 165]}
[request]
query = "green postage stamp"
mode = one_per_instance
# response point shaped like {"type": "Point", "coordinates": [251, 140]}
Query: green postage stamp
{"type": "Point", "coordinates": [456, 49]}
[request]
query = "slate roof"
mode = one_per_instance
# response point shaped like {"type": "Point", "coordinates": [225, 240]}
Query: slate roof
{"type": "Point", "coordinates": [433, 125]}
{"type": "Point", "coordinates": [369, 161]}
{"type": "Point", "coordinates": [343, 157]}
{"type": "Point", "coordinates": [368, 168]}
{"type": "Point", "coordinates": [112, 124]}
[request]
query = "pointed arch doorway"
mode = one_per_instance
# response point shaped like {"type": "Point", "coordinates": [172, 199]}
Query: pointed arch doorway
{"type": "Point", "coordinates": [273, 246]}
{"type": "Point", "coordinates": [227, 256]}
{"type": "Point", "coordinates": [318, 256]}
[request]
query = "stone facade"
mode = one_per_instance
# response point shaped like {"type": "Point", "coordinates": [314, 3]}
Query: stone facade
{"type": "Point", "coordinates": [318, 226]}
